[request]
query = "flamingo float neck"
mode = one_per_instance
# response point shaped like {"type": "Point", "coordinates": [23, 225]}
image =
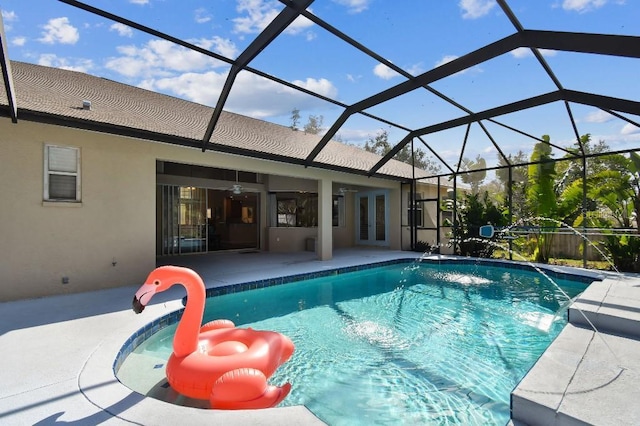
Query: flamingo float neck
{"type": "Point", "coordinates": [185, 341]}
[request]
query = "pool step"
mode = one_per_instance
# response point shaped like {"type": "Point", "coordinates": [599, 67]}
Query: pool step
{"type": "Point", "coordinates": [586, 377]}
{"type": "Point", "coordinates": [610, 305]}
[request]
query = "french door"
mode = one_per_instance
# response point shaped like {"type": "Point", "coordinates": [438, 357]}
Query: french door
{"type": "Point", "coordinates": [373, 217]}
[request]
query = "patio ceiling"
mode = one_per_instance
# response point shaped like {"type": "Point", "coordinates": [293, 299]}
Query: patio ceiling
{"type": "Point", "coordinates": [497, 125]}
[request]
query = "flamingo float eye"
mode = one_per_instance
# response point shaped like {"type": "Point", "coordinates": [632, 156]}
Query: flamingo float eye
{"type": "Point", "coordinates": [156, 282]}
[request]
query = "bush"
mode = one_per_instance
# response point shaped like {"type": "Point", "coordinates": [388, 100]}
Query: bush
{"type": "Point", "coordinates": [472, 213]}
{"type": "Point", "coordinates": [624, 251]}
{"type": "Point", "coordinates": [424, 247]}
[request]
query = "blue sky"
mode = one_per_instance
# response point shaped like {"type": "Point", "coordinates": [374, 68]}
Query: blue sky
{"type": "Point", "coordinates": [416, 35]}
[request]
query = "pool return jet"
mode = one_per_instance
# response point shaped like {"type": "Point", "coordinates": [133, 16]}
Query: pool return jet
{"type": "Point", "coordinates": [216, 361]}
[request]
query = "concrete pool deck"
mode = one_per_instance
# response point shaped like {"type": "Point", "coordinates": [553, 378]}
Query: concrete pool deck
{"type": "Point", "coordinates": [58, 353]}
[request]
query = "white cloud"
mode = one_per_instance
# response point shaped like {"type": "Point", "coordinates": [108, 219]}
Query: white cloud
{"type": "Point", "coordinates": [448, 58]}
{"type": "Point", "coordinates": [59, 30]}
{"type": "Point", "coordinates": [445, 59]}
{"type": "Point", "coordinates": [251, 95]}
{"type": "Point", "coordinates": [201, 16]}
{"type": "Point", "coordinates": [260, 13]}
{"type": "Point", "coordinates": [141, 2]}
{"type": "Point", "coordinates": [159, 65]}
{"type": "Point", "coordinates": [223, 46]}
{"type": "Point", "coordinates": [384, 72]}
{"type": "Point", "coordinates": [203, 88]}
{"type": "Point", "coordinates": [416, 69]}
{"type": "Point", "coordinates": [322, 86]}
{"type": "Point", "coordinates": [9, 16]}
{"type": "Point", "coordinates": [582, 6]}
{"type": "Point", "coordinates": [598, 116]}
{"type": "Point", "coordinates": [521, 52]}
{"type": "Point", "coordinates": [473, 9]}
{"type": "Point", "coordinates": [357, 136]}
{"type": "Point", "coordinates": [18, 41]}
{"type": "Point", "coordinates": [353, 78]}
{"type": "Point", "coordinates": [298, 26]}
{"type": "Point", "coordinates": [161, 58]}
{"type": "Point", "coordinates": [122, 29]}
{"type": "Point", "coordinates": [630, 129]}
{"type": "Point", "coordinates": [51, 60]}
{"type": "Point", "coordinates": [525, 52]}
{"type": "Point", "coordinates": [354, 6]}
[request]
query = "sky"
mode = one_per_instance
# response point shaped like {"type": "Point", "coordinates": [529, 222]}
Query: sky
{"type": "Point", "coordinates": [415, 35]}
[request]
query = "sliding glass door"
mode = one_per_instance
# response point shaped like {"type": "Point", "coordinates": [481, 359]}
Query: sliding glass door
{"type": "Point", "coordinates": [182, 219]}
{"type": "Point", "coordinates": [198, 220]}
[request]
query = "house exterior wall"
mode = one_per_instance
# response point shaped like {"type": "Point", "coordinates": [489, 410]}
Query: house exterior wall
{"type": "Point", "coordinates": [109, 238]}
{"type": "Point", "coordinates": [46, 241]}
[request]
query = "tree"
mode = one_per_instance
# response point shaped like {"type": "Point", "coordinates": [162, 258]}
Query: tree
{"type": "Point", "coordinates": [634, 169]}
{"type": "Point", "coordinates": [380, 145]}
{"type": "Point", "coordinates": [617, 192]}
{"type": "Point", "coordinates": [474, 179]}
{"type": "Point", "coordinates": [571, 170]}
{"type": "Point", "coordinates": [518, 174]}
{"type": "Point", "coordinates": [295, 119]}
{"type": "Point", "coordinates": [519, 182]}
{"type": "Point", "coordinates": [541, 197]}
{"type": "Point", "coordinates": [314, 124]}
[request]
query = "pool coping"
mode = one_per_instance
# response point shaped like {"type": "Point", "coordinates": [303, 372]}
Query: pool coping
{"type": "Point", "coordinates": [100, 385]}
{"type": "Point", "coordinates": [588, 377]}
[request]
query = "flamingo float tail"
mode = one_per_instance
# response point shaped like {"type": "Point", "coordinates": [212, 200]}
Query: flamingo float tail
{"type": "Point", "coordinates": [246, 388]}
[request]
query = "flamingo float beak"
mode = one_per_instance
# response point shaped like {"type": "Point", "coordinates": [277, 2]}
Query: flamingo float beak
{"type": "Point", "coordinates": [137, 306]}
{"type": "Point", "coordinates": [142, 297]}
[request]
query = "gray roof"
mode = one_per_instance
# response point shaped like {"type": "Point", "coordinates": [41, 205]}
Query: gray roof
{"type": "Point", "coordinates": [55, 95]}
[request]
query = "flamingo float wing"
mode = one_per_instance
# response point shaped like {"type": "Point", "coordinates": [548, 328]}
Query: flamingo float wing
{"type": "Point", "coordinates": [246, 388]}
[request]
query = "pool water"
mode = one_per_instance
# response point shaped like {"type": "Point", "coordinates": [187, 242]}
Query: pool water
{"type": "Point", "coordinates": [417, 344]}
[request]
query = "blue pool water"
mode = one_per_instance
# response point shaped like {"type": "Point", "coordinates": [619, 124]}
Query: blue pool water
{"type": "Point", "coordinates": [407, 343]}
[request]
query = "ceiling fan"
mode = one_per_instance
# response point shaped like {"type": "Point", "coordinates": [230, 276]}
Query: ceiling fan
{"type": "Point", "coordinates": [237, 189]}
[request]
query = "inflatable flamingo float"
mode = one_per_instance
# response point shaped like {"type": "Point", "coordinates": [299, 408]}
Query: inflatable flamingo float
{"type": "Point", "coordinates": [218, 362]}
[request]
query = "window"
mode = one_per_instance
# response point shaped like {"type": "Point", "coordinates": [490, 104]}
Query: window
{"type": "Point", "coordinates": [287, 212]}
{"type": "Point", "coordinates": [61, 173]}
{"type": "Point", "coordinates": [300, 209]}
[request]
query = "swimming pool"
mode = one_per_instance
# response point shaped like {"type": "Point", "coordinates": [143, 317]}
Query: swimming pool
{"type": "Point", "coordinates": [418, 343]}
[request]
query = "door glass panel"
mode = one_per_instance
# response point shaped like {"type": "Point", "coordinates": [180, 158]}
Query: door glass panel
{"type": "Point", "coordinates": [380, 218]}
{"type": "Point", "coordinates": [183, 219]}
{"type": "Point", "coordinates": [192, 220]}
{"type": "Point", "coordinates": [169, 196]}
{"type": "Point", "coordinates": [364, 218]}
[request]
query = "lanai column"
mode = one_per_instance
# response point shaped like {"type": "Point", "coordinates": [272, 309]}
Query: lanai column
{"type": "Point", "coordinates": [325, 219]}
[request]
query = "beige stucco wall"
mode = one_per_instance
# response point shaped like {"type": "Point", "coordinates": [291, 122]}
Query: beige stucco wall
{"type": "Point", "coordinates": [44, 242]}
{"type": "Point", "coordinates": [115, 222]}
